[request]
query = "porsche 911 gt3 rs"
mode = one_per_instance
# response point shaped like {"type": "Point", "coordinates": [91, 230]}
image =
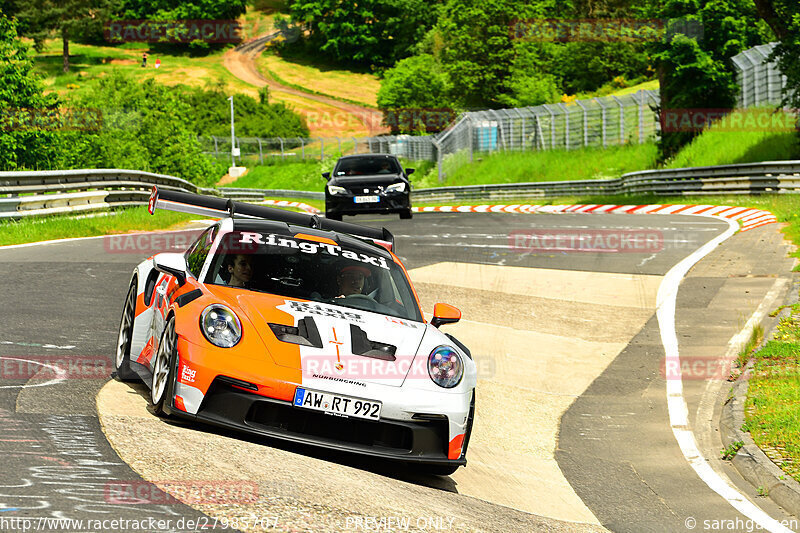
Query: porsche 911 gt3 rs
{"type": "Point", "coordinates": [297, 328]}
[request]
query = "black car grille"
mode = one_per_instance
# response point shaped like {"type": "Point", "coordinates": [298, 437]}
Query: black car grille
{"type": "Point", "coordinates": [320, 425]}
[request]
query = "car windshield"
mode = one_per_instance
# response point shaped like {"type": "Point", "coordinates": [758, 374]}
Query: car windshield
{"type": "Point", "coordinates": [311, 270]}
{"type": "Point", "coordinates": [364, 166]}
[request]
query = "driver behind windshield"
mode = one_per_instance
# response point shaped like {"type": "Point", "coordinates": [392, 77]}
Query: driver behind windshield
{"type": "Point", "coordinates": [351, 280]}
{"type": "Point", "coordinates": [240, 270]}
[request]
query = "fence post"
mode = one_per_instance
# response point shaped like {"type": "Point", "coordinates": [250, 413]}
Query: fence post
{"type": "Point", "coordinates": [469, 137]}
{"type": "Point", "coordinates": [566, 125]}
{"type": "Point", "coordinates": [355, 145]}
{"type": "Point", "coordinates": [585, 124]}
{"type": "Point", "coordinates": [283, 156]}
{"type": "Point", "coordinates": [439, 160]}
{"type": "Point", "coordinates": [303, 148]}
{"type": "Point", "coordinates": [641, 116]}
{"type": "Point", "coordinates": [321, 149]}
{"type": "Point", "coordinates": [260, 151]}
{"type": "Point", "coordinates": [552, 127]}
{"type": "Point", "coordinates": [339, 140]}
{"type": "Point", "coordinates": [216, 151]}
{"type": "Point", "coordinates": [603, 119]}
{"type": "Point", "coordinates": [621, 119]}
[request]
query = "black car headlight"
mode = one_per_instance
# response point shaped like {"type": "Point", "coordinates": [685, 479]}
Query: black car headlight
{"type": "Point", "coordinates": [445, 367]}
{"type": "Point", "coordinates": [396, 187]}
{"type": "Point", "coordinates": [220, 326]}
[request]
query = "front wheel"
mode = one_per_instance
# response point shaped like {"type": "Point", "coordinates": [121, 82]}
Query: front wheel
{"type": "Point", "coordinates": [122, 358]}
{"type": "Point", "coordinates": [164, 368]}
{"type": "Point", "coordinates": [405, 214]}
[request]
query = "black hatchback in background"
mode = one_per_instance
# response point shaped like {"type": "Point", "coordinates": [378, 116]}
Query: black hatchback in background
{"type": "Point", "coordinates": [367, 183]}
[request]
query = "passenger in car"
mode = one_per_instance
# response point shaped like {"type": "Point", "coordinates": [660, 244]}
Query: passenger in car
{"type": "Point", "coordinates": [351, 280]}
{"type": "Point", "coordinates": [240, 269]}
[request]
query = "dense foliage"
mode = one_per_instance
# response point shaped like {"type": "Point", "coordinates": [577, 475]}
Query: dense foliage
{"type": "Point", "coordinates": [254, 118]}
{"type": "Point", "coordinates": [694, 61]}
{"type": "Point", "coordinates": [368, 32]}
{"type": "Point", "coordinates": [22, 144]}
{"type": "Point", "coordinates": [783, 17]}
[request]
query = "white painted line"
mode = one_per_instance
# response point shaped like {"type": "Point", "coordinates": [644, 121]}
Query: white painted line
{"type": "Point", "coordinates": [60, 374]}
{"type": "Point", "coordinates": [676, 403]}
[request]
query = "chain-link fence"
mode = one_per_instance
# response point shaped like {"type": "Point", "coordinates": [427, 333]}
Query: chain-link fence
{"type": "Point", "coordinates": [601, 122]}
{"type": "Point", "coordinates": [760, 81]}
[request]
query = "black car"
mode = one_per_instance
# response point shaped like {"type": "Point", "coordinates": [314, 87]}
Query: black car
{"type": "Point", "coordinates": [368, 183]}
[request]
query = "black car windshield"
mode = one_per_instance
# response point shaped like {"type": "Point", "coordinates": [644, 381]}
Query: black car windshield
{"type": "Point", "coordinates": [366, 166]}
{"type": "Point", "coordinates": [307, 269]}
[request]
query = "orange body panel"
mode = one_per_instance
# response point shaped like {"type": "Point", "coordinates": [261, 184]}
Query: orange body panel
{"type": "Point", "coordinates": [455, 447]}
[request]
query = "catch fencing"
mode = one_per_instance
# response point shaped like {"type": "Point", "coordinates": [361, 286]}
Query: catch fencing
{"type": "Point", "coordinates": [761, 82]}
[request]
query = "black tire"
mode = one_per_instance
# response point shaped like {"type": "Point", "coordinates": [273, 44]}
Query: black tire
{"type": "Point", "coordinates": [162, 386]}
{"type": "Point", "coordinates": [333, 216]}
{"type": "Point", "coordinates": [406, 214]}
{"type": "Point", "coordinates": [122, 357]}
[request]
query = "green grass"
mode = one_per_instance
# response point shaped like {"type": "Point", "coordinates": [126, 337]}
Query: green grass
{"type": "Point", "coordinates": [63, 227]}
{"type": "Point", "coordinates": [718, 147]}
{"type": "Point", "coordinates": [551, 165]}
{"type": "Point", "coordinates": [773, 399]}
{"type": "Point", "coordinates": [300, 176]}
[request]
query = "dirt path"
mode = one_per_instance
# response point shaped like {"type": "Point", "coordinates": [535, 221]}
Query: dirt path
{"type": "Point", "coordinates": [358, 120]}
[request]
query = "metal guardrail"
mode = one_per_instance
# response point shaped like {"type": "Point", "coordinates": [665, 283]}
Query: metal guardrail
{"type": "Point", "coordinates": [38, 193]}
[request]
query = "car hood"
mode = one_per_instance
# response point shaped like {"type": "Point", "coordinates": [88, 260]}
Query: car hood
{"type": "Point", "coordinates": [337, 326]}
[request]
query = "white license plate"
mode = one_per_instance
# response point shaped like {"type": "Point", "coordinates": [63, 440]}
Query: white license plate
{"type": "Point", "coordinates": [367, 199]}
{"type": "Point", "coordinates": [337, 404]}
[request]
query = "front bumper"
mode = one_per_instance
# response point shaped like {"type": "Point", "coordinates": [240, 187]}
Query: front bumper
{"type": "Point", "coordinates": [389, 203]}
{"type": "Point", "coordinates": [423, 442]}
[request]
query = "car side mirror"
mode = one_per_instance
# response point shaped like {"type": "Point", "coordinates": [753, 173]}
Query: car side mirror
{"type": "Point", "coordinates": [326, 175]}
{"type": "Point", "coordinates": [171, 264]}
{"type": "Point", "coordinates": [445, 314]}
{"type": "Point", "coordinates": [409, 171]}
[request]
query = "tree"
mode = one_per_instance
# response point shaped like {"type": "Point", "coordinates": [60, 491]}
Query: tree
{"type": "Point", "coordinates": [65, 19]}
{"type": "Point", "coordinates": [694, 60]}
{"type": "Point", "coordinates": [783, 17]}
{"type": "Point", "coordinates": [23, 143]}
{"type": "Point", "coordinates": [369, 32]}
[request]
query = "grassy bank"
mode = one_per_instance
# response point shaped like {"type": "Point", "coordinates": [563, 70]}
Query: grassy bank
{"type": "Point", "coordinates": [65, 227]}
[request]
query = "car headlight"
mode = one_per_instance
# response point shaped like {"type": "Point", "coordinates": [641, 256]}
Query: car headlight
{"type": "Point", "coordinates": [445, 367]}
{"type": "Point", "coordinates": [220, 326]}
{"type": "Point", "coordinates": [334, 190]}
{"type": "Point", "coordinates": [396, 187]}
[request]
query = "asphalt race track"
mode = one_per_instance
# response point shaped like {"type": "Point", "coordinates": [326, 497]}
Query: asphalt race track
{"type": "Point", "coordinates": [572, 427]}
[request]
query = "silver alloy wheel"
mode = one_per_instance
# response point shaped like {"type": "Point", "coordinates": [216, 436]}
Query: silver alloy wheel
{"type": "Point", "coordinates": [161, 364]}
{"type": "Point", "coordinates": [126, 327]}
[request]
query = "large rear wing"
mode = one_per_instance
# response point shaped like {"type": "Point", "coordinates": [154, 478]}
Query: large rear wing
{"type": "Point", "coordinates": [198, 204]}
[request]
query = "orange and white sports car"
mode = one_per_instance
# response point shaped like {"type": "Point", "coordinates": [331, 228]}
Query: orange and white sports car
{"type": "Point", "coordinates": [298, 328]}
